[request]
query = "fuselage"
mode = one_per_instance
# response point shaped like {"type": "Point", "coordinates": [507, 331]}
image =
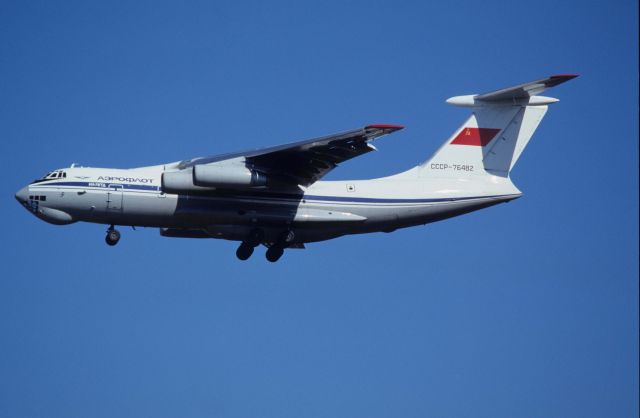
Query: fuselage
{"type": "Point", "coordinates": [325, 210]}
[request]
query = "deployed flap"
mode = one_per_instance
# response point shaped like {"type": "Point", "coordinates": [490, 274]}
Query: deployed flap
{"type": "Point", "coordinates": [523, 91]}
{"type": "Point", "coordinates": [306, 161]}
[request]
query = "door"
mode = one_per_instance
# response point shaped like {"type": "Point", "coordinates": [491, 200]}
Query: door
{"type": "Point", "coordinates": [114, 198]}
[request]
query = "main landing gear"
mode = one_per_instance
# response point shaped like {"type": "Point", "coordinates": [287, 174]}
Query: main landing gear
{"type": "Point", "coordinates": [256, 237]}
{"type": "Point", "coordinates": [113, 236]}
{"type": "Point", "coordinates": [245, 250]}
{"type": "Point", "coordinates": [276, 250]}
{"type": "Point", "coordinates": [274, 253]}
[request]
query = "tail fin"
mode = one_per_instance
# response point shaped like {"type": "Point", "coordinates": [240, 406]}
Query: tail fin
{"type": "Point", "coordinates": [500, 127]}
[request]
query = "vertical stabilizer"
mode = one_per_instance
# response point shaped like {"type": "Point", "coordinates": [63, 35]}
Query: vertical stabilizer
{"type": "Point", "coordinates": [492, 139]}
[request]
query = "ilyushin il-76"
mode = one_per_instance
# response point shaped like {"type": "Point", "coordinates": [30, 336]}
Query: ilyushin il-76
{"type": "Point", "coordinates": [274, 196]}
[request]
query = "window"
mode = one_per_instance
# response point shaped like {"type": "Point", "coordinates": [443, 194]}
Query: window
{"type": "Point", "coordinates": [43, 198]}
{"type": "Point", "coordinates": [54, 175]}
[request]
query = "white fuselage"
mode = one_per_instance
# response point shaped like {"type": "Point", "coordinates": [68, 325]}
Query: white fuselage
{"type": "Point", "coordinates": [325, 210]}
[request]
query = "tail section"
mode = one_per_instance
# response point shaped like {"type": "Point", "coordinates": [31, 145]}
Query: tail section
{"type": "Point", "coordinates": [492, 139]}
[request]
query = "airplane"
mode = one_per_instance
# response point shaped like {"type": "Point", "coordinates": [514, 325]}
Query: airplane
{"type": "Point", "coordinates": [274, 197]}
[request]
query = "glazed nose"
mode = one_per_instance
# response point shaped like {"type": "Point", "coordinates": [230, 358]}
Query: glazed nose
{"type": "Point", "coordinates": [22, 195]}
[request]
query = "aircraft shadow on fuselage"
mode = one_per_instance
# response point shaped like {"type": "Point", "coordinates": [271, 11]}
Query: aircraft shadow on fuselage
{"type": "Point", "coordinates": [231, 214]}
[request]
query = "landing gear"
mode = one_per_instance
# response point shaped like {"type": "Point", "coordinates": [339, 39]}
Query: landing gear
{"type": "Point", "coordinates": [113, 236]}
{"type": "Point", "coordinates": [277, 249]}
{"type": "Point", "coordinates": [275, 252]}
{"type": "Point", "coordinates": [256, 237]}
{"type": "Point", "coordinates": [245, 250]}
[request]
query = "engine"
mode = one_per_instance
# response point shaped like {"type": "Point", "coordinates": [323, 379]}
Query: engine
{"type": "Point", "coordinates": [227, 176]}
{"type": "Point", "coordinates": [210, 177]}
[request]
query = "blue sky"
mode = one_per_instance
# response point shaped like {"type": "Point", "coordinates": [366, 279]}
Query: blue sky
{"type": "Point", "coordinates": [525, 309]}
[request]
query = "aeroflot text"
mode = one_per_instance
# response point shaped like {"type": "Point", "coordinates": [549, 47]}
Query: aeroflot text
{"type": "Point", "coordinates": [125, 179]}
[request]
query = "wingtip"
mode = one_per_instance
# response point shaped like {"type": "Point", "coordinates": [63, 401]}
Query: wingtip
{"type": "Point", "coordinates": [557, 79]}
{"type": "Point", "coordinates": [384, 126]}
{"type": "Point", "coordinates": [565, 76]}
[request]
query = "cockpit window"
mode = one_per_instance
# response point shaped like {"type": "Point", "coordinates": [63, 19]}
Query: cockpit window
{"type": "Point", "coordinates": [56, 174]}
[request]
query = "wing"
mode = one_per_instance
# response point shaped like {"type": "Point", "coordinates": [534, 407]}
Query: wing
{"type": "Point", "coordinates": [307, 161]}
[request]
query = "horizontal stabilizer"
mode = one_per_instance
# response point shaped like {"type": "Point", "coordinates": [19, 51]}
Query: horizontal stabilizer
{"type": "Point", "coordinates": [522, 94]}
{"type": "Point", "coordinates": [526, 90]}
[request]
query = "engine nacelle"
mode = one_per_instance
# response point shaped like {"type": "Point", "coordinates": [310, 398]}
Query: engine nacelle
{"type": "Point", "coordinates": [202, 178]}
{"type": "Point", "coordinates": [181, 182]}
{"type": "Point", "coordinates": [232, 176]}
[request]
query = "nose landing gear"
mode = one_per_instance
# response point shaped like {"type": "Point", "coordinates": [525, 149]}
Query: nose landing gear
{"type": "Point", "coordinates": [113, 236]}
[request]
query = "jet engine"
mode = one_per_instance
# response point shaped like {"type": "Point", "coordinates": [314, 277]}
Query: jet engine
{"type": "Point", "coordinates": [210, 177]}
{"type": "Point", "coordinates": [233, 176]}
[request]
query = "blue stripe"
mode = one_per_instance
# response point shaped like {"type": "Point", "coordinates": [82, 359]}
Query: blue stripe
{"type": "Point", "coordinates": [101, 185]}
{"type": "Point", "coordinates": [380, 200]}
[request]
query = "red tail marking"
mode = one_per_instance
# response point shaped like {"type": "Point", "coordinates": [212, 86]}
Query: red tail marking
{"type": "Point", "coordinates": [475, 136]}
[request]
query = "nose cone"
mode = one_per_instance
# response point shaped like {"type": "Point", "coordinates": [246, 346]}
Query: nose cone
{"type": "Point", "coordinates": [22, 195]}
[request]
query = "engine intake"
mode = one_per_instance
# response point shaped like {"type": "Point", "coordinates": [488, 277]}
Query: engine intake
{"type": "Point", "coordinates": [180, 182]}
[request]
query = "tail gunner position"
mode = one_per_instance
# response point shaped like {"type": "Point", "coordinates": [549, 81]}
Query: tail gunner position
{"type": "Point", "coordinates": [274, 196]}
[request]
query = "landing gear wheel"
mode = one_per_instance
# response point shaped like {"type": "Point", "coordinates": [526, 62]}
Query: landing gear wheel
{"type": "Point", "coordinates": [113, 236]}
{"type": "Point", "coordinates": [274, 253]}
{"type": "Point", "coordinates": [244, 251]}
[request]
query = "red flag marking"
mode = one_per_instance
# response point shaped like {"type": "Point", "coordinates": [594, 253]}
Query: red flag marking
{"type": "Point", "coordinates": [475, 136]}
